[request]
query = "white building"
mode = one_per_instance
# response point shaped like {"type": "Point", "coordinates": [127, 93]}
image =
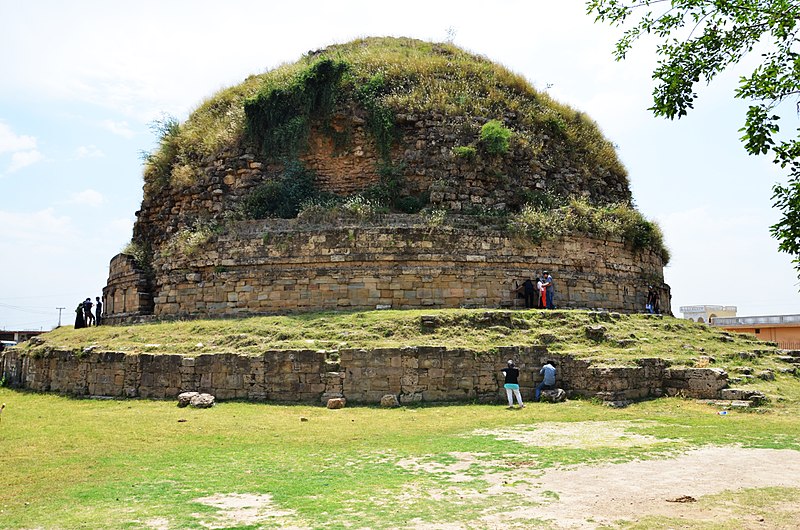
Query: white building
{"type": "Point", "coordinates": [704, 313]}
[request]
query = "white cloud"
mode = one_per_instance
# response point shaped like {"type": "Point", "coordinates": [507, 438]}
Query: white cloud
{"type": "Point", "coordinates": [119, 128]}
{"type": "Point", "coordinates": [87, 198]}
{"type": "Point", "coordinates": [88, 151]}
{"type": "Point", "coordinates": [41, 232]}
{"type": "Point", "coordinates": [11, 142]}
{"type": "Point", "coordinates": [22, 159]}
{"type": "Point", "coordinates": [22, 148]}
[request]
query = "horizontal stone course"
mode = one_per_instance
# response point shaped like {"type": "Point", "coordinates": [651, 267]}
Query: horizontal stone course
{"type": "Point", "coordinates": [414, 374]}
{"type": "Point", "coordinates": [316, 267]}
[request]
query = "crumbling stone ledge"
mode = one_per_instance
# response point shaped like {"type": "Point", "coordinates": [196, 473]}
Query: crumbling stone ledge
{"type": "Point", "coordinates": [413, 374]}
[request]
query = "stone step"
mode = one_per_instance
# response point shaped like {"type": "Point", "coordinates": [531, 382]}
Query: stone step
{"type": "Point", "coordinates": [732, 403]}
{"type": "Point", "coordinates": [789, 359]}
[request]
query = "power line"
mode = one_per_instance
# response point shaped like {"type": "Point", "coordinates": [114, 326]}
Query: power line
{"type": "Point", "coordinates": [31, 309]}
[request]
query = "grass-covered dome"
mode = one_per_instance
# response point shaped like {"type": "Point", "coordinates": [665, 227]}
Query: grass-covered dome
{"type": "Point", "coordinates": [391, 77]}
{"type": "Point", "coordinates": [492, 144]}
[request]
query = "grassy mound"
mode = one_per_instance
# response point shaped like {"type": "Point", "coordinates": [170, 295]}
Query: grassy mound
{"type": "Point", "coordinates": [625, 338]}
{"type": "Point", "coordinates": [388, 77]}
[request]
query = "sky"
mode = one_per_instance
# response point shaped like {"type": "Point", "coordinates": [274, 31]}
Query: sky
{"type": "Point", "coordinates": [81, 81]}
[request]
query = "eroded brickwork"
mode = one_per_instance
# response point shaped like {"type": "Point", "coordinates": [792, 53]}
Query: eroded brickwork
{"type": "Point", "coordinates": [413, 374]}
{"type": "Point", "coordinates": [398, 261]}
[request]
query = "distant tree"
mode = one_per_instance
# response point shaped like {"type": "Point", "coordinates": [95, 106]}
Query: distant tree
{"type": "Point", "coordinates": [701, 38]}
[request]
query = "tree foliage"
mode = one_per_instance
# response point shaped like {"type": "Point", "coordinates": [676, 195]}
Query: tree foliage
{"type": "Point", "coordinates": [701, 38]}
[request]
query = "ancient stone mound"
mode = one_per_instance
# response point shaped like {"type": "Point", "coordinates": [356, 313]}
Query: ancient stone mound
{"type": "Point", "coordinates": [382, 172]}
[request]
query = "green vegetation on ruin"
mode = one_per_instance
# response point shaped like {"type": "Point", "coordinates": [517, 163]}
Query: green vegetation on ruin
{"type": "Point", "coordinates": [387, 77]}
{"type": "Point", "coordinates": [627, 337]}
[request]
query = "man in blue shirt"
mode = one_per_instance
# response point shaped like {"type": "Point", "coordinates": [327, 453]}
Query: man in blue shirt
{"type": "Point", "coordinates": [549, 381]}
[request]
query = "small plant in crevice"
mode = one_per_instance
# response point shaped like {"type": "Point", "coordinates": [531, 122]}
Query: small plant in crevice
{"type": "Point", "coordinates": [387, 191]}
{"type": "Point", "coordinates": [467, 152]}
{"type": "Point", "coordinates": [189, 240]}
{"type": "Point", "coordinates": [159, 162]}
{"type": "Point", "coordinates": [494, 137]}
{"type": "Point", "coordinates": [282, 196]}
{"type": "Point", "coordinates": [142, 255]}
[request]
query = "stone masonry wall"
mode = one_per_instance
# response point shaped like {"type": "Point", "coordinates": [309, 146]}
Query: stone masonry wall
{"type": "Point", "coordinates": [128, 291]}
{"type": "Point", "coordinates": [414, 374]}
{"type": "Point", "coordinates": [273, 266]}
{"type": "Point", "coordinates": [423, 153]}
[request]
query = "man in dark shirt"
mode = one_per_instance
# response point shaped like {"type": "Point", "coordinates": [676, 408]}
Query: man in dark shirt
{"type": "Point", "coordinates": [98, 311]}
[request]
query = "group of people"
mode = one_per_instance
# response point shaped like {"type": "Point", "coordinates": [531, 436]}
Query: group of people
{"type": "Point", "coordinates": [539, 292]}
{"type": "Point", "coordinates": [511, 383]}
{"type": "Point", "coordinates": [84, 316]}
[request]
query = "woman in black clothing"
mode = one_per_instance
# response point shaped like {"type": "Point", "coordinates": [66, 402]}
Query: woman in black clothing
{"type": "Point", "coordinates": [511, 385]}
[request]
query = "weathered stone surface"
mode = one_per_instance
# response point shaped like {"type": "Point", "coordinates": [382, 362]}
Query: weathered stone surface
{"type": "Point", "coordinates": [596, 333]}
{"type": "Point", "coordinates": [556, 395]}
{"type": "Point", "coordinates": [336, 403]}
{"type": "Point", "coordinates": [389, 401]}
{"type": "Point", "coordinates": [202, 401]}
{"type": "Point", "coordinates": [766, 375]}
{"type": "Point", "coordinates": [184, 398]}
{"type": "Point", "coordinates": [412, 374]}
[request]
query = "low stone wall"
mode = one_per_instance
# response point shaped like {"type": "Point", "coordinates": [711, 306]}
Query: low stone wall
{"type": "Point", "coordinates": [261, 267]}
{"type": "Point", "coordinates": [413, 374]}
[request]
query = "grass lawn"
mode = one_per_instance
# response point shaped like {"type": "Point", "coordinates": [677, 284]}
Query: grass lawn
{"type": "Point", "coordinates": [69, 463]}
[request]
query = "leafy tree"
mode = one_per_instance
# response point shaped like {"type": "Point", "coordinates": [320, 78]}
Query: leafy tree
{"type": "Point", "coordinates": [701, 38]}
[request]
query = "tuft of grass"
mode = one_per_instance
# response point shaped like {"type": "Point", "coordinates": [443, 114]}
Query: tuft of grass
{"type": "Point", "coordinates": [494, 137]}
{"type": "Point", "coordinates": [537, 222]}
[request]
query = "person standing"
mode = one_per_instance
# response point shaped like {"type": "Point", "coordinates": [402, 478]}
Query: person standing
{"type": "Point", "coordinates": [529, 292]}
{"type": "Point", "coordinates": [511, 374]}
{"type": "Point", "coordinates": [541, 301]}
{"type": "Point", "coordinates": [98, 311]}
{"type": "Point", "coordinates": [550, 290]}
{"type": "Point", "coordinates": [549, 381]}
{"type": "Point", "coordinates": [79, 321]}
{"type": "Point", "coordinates": [87, 312]}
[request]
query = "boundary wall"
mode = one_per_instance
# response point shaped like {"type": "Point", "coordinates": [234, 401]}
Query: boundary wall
{"type": "Point", "coordinates": [413, 374]}
{"type": "Point", "coordinates": [278, 266]}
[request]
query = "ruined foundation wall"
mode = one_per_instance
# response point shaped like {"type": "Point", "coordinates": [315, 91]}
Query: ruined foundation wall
{"type": "Point", "coordinates": [262, 267]}
{"type": "Point", "coordinates": [414, 374]}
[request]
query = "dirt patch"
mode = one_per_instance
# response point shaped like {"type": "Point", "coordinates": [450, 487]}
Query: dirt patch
{"type": "Point", "coordinates": [593, 496]}
{"type": "Point", "coordinates": [588, 496]}
{"type": "Point", "coordinates": [242, 509]}
{"type": "Point", "coordinates": [157, 523]}
{"type": "Point", "coordinates": [582, 435]}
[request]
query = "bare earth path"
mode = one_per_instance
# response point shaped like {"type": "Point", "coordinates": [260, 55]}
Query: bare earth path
{"type": "Point", "coordinates": [592, 495]}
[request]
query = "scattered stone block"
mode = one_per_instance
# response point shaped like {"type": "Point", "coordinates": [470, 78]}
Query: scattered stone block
{"type": "Point", "coordinates": [766, 375]}
{"type": "Point", "coordinates": [185, 397]}
{"type": "Point", "coordinates": [202, 401]}
{"type": "Point", "coordinates": [336, 403]}
{"type": "Point", "coordinates": [555, 395]}
{"type": "Point", "coordinates": [547, 338]}
{"type": "Point", "coordinates": [596, 333]}
{"type": "Point", "coordinates": [390, 401]}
